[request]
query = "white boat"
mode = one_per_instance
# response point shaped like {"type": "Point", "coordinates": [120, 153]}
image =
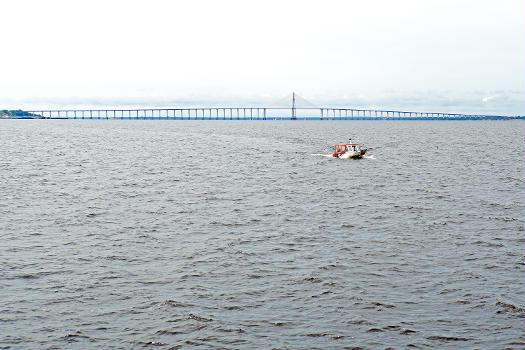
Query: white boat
{"type": "Point", "coordinates": [349, 150]}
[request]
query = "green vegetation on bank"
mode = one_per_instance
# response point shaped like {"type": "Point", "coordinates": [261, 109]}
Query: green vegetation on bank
{"type": "Point", "coordinates": [18, 113]}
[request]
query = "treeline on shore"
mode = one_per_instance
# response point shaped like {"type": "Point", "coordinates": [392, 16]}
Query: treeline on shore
{"type": "Point", "coordinates": [16, 113]}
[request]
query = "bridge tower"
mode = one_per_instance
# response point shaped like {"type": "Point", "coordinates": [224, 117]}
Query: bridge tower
{"type": "Point", "coordinates": [294, 117]}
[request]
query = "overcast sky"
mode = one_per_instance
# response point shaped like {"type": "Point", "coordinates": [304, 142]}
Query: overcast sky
{"type": "Point", "coordinates": [461, 55]}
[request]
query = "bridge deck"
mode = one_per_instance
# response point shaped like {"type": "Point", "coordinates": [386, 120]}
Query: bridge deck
{"type": "Point", "coordinates": [256, 113]}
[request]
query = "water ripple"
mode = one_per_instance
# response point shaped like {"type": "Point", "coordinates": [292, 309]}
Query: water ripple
{"type": "Point", "coordinates": [219, 235]}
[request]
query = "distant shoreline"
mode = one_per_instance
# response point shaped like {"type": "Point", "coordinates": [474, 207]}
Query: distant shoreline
{"type": "Point", "coordinates": [18, 114]}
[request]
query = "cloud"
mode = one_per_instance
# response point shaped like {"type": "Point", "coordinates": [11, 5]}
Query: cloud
{"type": "Point", "coordinates": [489, 98]}
{"type": "Point", "coordinates": [108, 48]}
{"type": "Point", "coordinates": [508, 102]}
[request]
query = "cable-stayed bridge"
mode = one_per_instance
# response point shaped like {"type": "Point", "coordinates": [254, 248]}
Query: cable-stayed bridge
{"type": "Point", "coordinates": [299, 109]}
{"type": "Point", "coordinates": [255, 113]}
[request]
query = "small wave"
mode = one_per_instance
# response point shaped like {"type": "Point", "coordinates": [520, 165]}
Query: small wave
{"type": "Point", "coordinates": [510, 308]}
{"type": "Point", "coordinates": [379, 306]}
{"type": "Point", "coordinates": [199, 318]}
{"type": "Point", "coordinates": [233, 307]}
{"type": "Point", "coordinates": [228, 330]}
{"type": "Point", "coordinates": [316, 335]}
{"type": "Point", "coordinates": [74, 337]}
{"type": "Point", "coordinates": [168, 332]}
{"type": "Point", "coordinates": [313, 279]}
{"type": "Point", "coordinates": [401, 330]}
{"type": "Point", "coordinates": [446, 338]}
{"type": "Point", "coordinates": [359, 322]}
{"type": "Point", "coordinates": [26, 276]}
{"type": "Point", "coordinates": [149, 343]}
{"type": "Point", "coordinates": [373, 330]}
{"type": "Point", "coordinates": [174, 303]}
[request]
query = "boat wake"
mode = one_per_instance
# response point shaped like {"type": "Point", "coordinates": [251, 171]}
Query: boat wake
{"type": "Point", "coordinates": [322, 155]}
{"type": "Point", "coordinates": [331, 156]}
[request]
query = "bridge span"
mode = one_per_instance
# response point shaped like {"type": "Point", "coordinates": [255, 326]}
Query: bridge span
{"type": "Point", "coordinates": [255, 113]}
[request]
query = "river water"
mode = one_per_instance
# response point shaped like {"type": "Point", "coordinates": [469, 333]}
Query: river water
{"type": "Point", "coordinates": [241, 235]}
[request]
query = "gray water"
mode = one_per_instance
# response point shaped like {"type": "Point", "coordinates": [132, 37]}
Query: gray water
{"type": "Point", "coordinates": [241, 235]}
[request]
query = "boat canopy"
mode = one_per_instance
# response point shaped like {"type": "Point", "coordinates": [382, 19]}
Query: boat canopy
{"type": "Point", "coordinates": [340, 149]}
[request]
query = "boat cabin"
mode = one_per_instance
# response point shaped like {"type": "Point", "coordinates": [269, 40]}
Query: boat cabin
{"type": "Point", "coordinates": [347, 147]}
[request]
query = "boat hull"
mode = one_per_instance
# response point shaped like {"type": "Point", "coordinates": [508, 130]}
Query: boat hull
{"type": "Point", "coordinates": [351, 155]}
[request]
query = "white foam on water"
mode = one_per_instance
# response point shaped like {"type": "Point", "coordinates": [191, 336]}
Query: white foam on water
{"type": "Point", "coordinates": [331, 156]}
{"type": "Point", "coordinates": [322, 155]}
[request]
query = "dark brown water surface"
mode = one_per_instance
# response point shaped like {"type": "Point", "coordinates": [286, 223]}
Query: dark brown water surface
{"type": "Point", "coordinates": [240, 235]}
